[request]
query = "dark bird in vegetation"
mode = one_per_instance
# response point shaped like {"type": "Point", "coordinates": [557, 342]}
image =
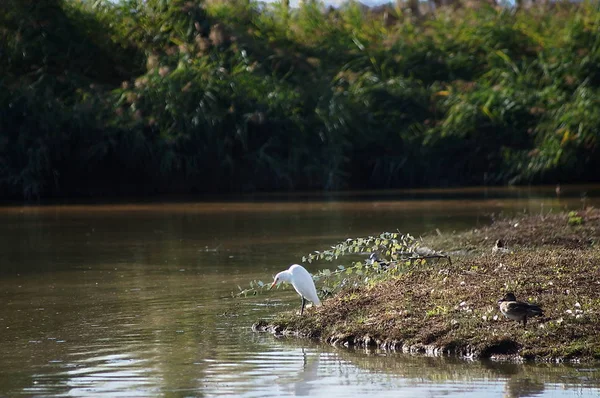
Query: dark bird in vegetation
{"type": "Point", "coordinates": [375, 257]}
{"type": "Point", "coordinates": [518, 310]}
{"type": "Point", "coordinates": [500, 248]}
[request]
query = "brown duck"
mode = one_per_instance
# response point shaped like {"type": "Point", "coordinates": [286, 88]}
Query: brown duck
{"type": "Point", "coordinates": [518, 310]}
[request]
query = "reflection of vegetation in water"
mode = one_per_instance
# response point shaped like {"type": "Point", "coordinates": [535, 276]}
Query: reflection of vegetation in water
{"type": "Point", "coordinates": [520, 379]}
{"type": "Point", "coordinates": [523, 387]}
{"type": "Point", "coordinates": [186, 96]}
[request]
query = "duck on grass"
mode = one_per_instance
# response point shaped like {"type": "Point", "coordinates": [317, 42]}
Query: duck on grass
{"type": "Point", "coordinates": [518, 310]}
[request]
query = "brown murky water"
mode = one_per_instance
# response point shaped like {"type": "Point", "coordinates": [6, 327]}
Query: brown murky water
{"type": "Point", "coordinates": [134, 299]}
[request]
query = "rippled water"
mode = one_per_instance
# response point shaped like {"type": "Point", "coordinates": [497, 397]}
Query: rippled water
{"type": "Point", "coordinates": [135, 299]}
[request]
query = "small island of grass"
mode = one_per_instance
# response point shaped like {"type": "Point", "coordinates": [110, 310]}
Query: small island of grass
{"type": "Point", "coordinates": [450, 307]}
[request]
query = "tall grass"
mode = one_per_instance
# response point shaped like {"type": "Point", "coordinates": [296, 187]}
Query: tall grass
{"type": "Point", "coordinates": [102, 98]}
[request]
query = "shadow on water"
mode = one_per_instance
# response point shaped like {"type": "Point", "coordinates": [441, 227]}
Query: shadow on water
{"type": "Point", "coordinates": [126, 300]}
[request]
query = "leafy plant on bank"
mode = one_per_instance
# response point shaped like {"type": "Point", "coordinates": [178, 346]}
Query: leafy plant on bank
{"type": "Point", "coordinates": [390, 253]}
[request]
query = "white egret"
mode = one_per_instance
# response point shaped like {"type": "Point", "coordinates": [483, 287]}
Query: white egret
{"type": "Point", "coordinates": [302, 282]}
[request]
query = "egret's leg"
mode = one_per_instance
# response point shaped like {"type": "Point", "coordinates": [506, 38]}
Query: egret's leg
{"type": "Point", "coordinates": [302, 308]}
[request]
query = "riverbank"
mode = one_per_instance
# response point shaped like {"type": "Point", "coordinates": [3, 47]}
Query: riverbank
{"type": "Point", "coordinates": [451, 307]}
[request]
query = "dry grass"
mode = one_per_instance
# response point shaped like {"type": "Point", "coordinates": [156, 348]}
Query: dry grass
{"type": "Point", "coordinates": [451, 308]}
{"type": "Point", "coordinates": [533, 231]}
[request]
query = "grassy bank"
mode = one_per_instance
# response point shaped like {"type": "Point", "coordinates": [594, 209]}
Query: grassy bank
{"type": "Point", "coordinates": [143, 97]}
{"type": "Point", "coordinates": [450, 308]}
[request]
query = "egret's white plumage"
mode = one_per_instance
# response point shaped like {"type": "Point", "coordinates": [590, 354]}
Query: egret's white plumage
{"type": "Point", "coordinates": [302, 282]}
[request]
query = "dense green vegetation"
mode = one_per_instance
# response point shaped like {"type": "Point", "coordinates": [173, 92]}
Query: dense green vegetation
{"type": "Point", "coordinates": [181, 96]}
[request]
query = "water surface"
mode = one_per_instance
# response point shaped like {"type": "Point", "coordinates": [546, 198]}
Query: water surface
{"type": "Point", "coordinates": [135, 299]}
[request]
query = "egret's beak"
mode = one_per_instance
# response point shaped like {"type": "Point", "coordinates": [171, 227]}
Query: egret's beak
{"type": "Point", "coordinates": [272, 285]}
